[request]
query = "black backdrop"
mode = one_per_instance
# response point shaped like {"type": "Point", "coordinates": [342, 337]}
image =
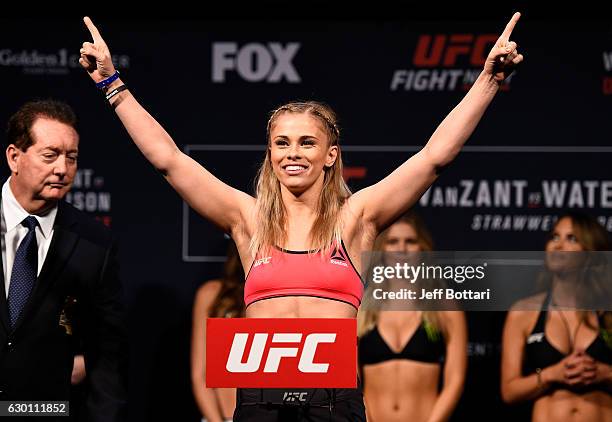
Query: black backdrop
{"type": "Point", "coordinates": [543, 146]}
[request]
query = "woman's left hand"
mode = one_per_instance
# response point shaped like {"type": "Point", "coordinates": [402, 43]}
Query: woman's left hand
{"type": "Point", "coordinates": [596, 372]}
{"type": "Point", "coordinates": [96, 57]}
{"type": "Point", "coordinates": [504, 56]}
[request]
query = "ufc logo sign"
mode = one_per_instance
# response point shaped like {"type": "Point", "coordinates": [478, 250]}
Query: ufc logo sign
{"type": "Point", "coordinates": [275, 354]}
{"type": "Point", "coordinates": [255, 62]}
{"type": "Point", "coordinates": [443, 50]}
{"type": "Point", "coordinates": [281, 353]}
{"type": "Point", "coordinates": [294, 396]}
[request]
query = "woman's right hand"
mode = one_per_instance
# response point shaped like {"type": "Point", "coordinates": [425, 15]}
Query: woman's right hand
{"type": "Point", "coordinates": [96, 57]}
{"type": "Point", "coordinates": [569, 370]}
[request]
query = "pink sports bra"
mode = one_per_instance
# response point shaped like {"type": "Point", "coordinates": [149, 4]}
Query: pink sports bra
{"type": "Point", "coordinates": [299, 273]}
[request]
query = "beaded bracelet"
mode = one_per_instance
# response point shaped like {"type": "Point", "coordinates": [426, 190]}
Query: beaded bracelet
{"type": "Point", "coordinates": [539, 374]}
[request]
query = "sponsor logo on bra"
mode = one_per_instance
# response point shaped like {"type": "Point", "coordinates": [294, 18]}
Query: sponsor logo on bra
{"type": "Point", "coordinates": [333, 261]}
{"type": "Point", "coordinates": [260, 261]}
{"type": "Point", "coordinates": [338, 258]}
{"type": "Point", "coordinates": [535, 338]}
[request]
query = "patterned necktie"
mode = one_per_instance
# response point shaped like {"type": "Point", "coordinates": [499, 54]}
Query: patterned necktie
{"type": "Point", "coordinates": [25, 269]}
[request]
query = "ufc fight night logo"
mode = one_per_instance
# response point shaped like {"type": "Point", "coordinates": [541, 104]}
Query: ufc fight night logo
{"type": "Point", "coordinates": [445, 63]}
{"type": "Point", "coordinates": [255, 62]}
{"type": "Point", "coordinates": [281, 353]}
{"type": "Point", "coordinates": [442, 50]}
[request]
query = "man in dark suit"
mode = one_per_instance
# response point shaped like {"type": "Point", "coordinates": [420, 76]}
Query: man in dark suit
{"type": "Point", "coordinates": [60, 273]}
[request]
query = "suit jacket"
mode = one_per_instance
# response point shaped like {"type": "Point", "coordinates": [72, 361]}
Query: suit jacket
{"type": "Point", "coordinates": [78, 288]}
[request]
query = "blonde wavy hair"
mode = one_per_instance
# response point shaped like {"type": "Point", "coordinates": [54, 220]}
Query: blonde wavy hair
{"type": "Point", "coordinates": [368, 314]}
{"type": "Point", "coordinates": [271, 214]}
{"type": "Point", "coordinates": [229, 302]}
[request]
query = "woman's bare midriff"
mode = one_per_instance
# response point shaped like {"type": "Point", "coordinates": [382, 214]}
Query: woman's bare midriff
{"type": "Point", "coordinates": [300, 307]}
{"type": "Point", "coordinates": [400, 390]}
{"type": "Point", "coordinates": [566, 406]}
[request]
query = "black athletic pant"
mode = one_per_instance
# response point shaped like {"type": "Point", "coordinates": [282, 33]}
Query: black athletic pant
{"type": "Point", "coordinates": [299, 405]}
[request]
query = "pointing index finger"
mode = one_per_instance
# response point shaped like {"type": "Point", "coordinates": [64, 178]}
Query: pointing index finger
{"type": "Point", "coordinates": [510, 26]}
{"type": "Point", "coordinates": [93, 30]}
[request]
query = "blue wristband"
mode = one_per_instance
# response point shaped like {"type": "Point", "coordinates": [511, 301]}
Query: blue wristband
{"type": "Point", "coordinates": [108, 80]}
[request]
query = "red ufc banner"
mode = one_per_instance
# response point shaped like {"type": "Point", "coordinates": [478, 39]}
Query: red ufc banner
{"type": "Point", "coordinates": [281, 352]}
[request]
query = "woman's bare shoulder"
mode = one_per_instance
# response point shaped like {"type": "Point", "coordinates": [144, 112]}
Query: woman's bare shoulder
{"type": "Point", "coordinates": [529, 304]}
{"type": "Point", "coordinates": [208, 290]}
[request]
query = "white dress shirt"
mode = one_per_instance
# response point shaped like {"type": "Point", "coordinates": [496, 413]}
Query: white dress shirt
{"type": "Point", "coordinates": [12, 232]}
